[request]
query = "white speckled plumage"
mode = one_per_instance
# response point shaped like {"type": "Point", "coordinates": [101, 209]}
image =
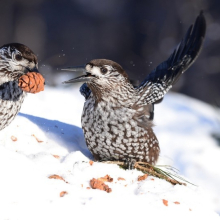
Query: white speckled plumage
{"type": "Point", "coordinates": [8, 110]}
{"type": "Point", "coordinates": [116, 135]}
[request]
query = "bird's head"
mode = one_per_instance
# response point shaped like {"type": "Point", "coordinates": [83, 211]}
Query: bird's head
{"type": "Point", "coordinates": [16, 59]}
{"type": "Point", "coordinates": [102, 74]}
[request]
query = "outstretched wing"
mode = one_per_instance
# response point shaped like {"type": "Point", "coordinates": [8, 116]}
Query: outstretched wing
{"type": "Point", "coordinates": [161, 79]}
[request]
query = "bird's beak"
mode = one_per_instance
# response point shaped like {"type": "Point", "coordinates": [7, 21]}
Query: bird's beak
{"type": "Point", "coordinates": [84, 78]}
{"type": "Point", "coordinates": [34, 69]}
{"type": "Point", "coordinates": [87, 77]}
{"type": "Point", "coordinates": [80, 68]}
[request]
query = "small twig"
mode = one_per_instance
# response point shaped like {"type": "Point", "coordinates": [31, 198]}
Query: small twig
{"type": "Point", "coordinates": [154, 171]}
{"type": "Point", "coordinates": [157, 172]}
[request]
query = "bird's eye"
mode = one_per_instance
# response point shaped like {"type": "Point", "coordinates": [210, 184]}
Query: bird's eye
{"type": "Point", "coordinates": [18, 57]}
{"type": "Point", "coordinates": [104, 70]}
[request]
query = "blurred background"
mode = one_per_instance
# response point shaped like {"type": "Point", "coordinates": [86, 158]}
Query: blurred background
{"type": "Point", "coordinates": [137, 34]}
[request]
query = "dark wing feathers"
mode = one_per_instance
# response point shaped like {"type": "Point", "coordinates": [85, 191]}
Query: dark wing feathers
{"type": "Point", "coordinates": [161, 79]}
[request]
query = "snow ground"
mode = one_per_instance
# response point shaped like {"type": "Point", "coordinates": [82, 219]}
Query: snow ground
{"type": "Point", "coordinates": [183, 127]}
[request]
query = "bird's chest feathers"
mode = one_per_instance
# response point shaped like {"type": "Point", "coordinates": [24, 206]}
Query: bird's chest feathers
{"type": "Point", "coordinates": [105, 114]}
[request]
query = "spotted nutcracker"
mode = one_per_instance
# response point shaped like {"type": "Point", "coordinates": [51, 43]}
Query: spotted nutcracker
{"type": "Point", "coordinates": [15, 61]}
{"type": "Point", "coordinates": [117, 117]}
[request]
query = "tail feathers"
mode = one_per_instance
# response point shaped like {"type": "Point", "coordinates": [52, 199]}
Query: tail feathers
{"type": "Point", "coordinates": [161, 79]}
{"type": "Point", "coordinates": [189, 48]}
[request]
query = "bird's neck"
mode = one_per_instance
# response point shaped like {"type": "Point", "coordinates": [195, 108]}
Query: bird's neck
{"type": "Point", "coordinates": [10, 91]}
{"type": "Point", "coordinates": [123, 94]}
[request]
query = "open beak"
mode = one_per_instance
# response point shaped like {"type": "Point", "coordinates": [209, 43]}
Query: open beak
{"type": "Point", "coordinates": [87, 77]}
{"type": "Point", "coordinates": [84, 78]}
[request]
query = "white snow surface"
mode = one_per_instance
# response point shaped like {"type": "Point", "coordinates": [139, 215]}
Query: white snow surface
{"type": "Point", "coordinates": [183, 127]}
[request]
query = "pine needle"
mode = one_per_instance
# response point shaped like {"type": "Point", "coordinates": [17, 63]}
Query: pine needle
{"type": "Point", "coordinates": [170, 174]}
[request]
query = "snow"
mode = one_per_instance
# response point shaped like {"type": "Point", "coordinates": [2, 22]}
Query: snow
{"type": "Point", "coordinates": [185, 135]}
{"type": "Point", "coordinates": [183, 127]}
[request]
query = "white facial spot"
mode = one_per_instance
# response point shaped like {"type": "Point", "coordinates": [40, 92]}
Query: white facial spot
{"type": "Point", "coordinates": [94, 70]}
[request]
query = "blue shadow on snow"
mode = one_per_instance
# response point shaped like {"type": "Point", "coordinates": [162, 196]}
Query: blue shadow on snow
{"type": "Point", "coordinates": [67, 135]}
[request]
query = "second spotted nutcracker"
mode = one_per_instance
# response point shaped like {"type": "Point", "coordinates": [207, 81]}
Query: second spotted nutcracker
{"type": "Point", "coordinates": [117, 118]}
{"type": "Point", "coordinates": [17, 64]}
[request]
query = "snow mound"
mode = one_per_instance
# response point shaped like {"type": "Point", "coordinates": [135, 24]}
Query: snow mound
{"type": "Point", "coordinates": [50, 141]}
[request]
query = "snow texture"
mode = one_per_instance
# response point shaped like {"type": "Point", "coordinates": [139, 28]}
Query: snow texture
{"type": "Point", "coordinates": [184, 128]}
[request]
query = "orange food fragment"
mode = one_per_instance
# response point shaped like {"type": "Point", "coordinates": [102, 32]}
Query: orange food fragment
{"type": "Point", "coordinates": [63, 193]}
{"type": "Point", "coordinates": [98, 184]}
{"type": "Point", "coordinates": [106, 178]}
{"type": "Point", "coordinates": [13, 138]}
{"type": "Point", "coordinates": [37, 139]}
{"type": "Point", "coordinates": [55, 176]}
{"type": "Point", "coordinates": [91, 162]}
{"type": "Point", "coordinates": [120, 178]}
{"type": "Point", "coordinates": [165, 202]}
{"type": "Point", "coordinates": [141, 178]}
